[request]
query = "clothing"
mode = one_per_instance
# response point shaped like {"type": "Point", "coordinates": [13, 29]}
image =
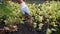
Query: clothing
{"type": "Point", "coordinates": [24, 8]}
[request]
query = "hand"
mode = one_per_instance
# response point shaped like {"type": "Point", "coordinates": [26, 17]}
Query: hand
{"type": "Point", "coordinates": [19, 1]}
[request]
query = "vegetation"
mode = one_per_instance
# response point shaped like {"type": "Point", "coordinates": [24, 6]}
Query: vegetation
{"type": "Point", "coordinates": [45, 14]}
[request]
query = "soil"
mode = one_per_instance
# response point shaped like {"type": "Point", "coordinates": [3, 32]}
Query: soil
{"type": "Point", "coordinates": [23, 29]}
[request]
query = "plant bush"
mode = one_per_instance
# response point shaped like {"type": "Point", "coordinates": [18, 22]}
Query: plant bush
{"type": "Point", "coordinates": [45, 13]}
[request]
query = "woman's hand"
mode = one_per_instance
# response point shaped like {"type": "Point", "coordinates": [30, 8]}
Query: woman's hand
{"type": "Point", "coordinates": [19, 1]}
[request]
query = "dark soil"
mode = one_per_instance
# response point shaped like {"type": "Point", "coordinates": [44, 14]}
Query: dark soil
{"type": "Point", "coordinates": [23, 29]}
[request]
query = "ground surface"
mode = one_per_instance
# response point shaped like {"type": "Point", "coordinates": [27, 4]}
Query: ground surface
{"type": "Point", "coordinates": [23, 29]}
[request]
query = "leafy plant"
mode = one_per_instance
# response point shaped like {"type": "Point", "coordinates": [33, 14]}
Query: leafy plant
{"type": "Point", "coordinates": [46, 13]}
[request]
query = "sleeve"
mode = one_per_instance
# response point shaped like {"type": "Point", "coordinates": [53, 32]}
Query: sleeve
{"type": "Point", "coordinates": [24, 8]}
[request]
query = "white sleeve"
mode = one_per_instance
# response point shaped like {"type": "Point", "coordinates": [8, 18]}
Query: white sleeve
{"type": "Point", "coordinates": [23, 5]}
{"type": "Point", "coordinates": [24, 8]}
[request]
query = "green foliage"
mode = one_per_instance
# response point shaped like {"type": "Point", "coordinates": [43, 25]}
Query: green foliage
{"type": "Point", "coordinates": [51, 11]}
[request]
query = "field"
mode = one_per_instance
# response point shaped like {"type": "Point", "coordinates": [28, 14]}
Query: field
{"type": "Point", "coordinates": [45, 16]}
